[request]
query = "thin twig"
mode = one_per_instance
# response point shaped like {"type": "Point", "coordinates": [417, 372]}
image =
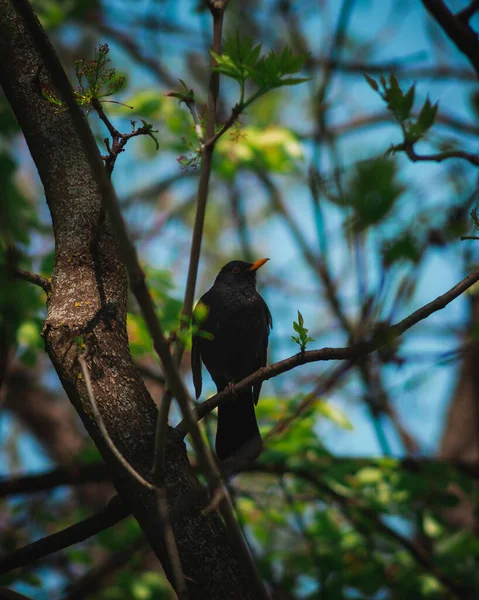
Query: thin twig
{"type": "Point", "coordinates": [211, 141]}
{"type": "Point", "coordinates": [195, 251]}
{"type": "Point", "coordinates": [211, 470]}
{"type": "Point", "coordinates": [119, 140]}
{"type": "Point", "coordinates": [362, 121]}
{"type": "Point", "coordinates": [170, 542]}
{"type": "Point", "coordinates": [440, 156]}
{"type": "Point", "coordinates": [99, 420]}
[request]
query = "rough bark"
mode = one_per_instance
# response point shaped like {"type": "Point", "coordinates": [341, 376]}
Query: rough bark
{"type": "Point", "coordinates": [88, 299]}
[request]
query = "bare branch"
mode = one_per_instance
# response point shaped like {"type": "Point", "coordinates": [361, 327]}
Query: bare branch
{"type": "Point", "coordinates": [34, 278]}
{"type": "Point", "coordinates": [79, 474]}
{"type": "Point", "coordinates": [103, 429]}
{"type": "Point", "coordinates": [119, 140]}
{"type": "Point", "coordinates": [114, 512]}
{"type": "Point", "coordinates": [373, 119]}
{"type": "Point", "coordinates": [170, 543]}
{"type": "Point", "coordinates": [466, 13]}
{"type": "Point", "coordinates": [456, 29]}
{"type": "Point", "coordinates": [440, 156]}
{"type": "Point", "coordinates": [70, 475]}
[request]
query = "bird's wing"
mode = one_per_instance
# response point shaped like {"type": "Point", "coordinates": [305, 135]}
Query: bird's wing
{"type": "Point", "coordinates": [196, 366]}
{"type": "Point", "coordinates": [196, 362]}
{"type": "Point", "coordinates": [263, 354]}
{"type": "Point", "coordinates": [205, 325]}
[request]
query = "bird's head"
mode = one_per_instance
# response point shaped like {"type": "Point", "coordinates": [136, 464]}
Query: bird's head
{"type": "Point", "coordinates": [240, 273]}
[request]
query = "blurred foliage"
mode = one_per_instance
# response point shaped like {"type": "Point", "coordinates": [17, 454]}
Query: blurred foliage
{"type": "Point", "coordinates": [322, 524]}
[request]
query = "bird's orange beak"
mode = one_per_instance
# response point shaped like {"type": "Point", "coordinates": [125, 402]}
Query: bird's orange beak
{"type": "Point", "coordinates": [259, 263]}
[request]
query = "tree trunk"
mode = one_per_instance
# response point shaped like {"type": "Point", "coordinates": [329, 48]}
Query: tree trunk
{"type": "Point", "coordinates": [89, 299]}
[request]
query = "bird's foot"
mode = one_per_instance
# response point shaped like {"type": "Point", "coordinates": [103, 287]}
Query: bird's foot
{"type": "Point", "coordinates": [231, 390]}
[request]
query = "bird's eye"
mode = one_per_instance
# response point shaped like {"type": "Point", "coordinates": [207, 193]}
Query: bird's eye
{"type": "Point", "coordinates": [236, 270]}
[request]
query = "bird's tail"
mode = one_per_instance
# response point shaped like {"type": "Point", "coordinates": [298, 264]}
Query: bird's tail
{"type": "Point", "coordinates": [237, 427]}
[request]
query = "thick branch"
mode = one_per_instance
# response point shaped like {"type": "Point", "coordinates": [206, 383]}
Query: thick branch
{"type": "Point", "coordinates": [114, 512]}
{"type": "Point", "coordinates": [466, 13]}
{"type": "Point", "coordinates": [457, 29]}
{"type": "Point", "coordinates": [34, 278]}
{"type": "Point", "coordinates": [71, 475]}
{"type": "Point", "coordinates": [80, 474]}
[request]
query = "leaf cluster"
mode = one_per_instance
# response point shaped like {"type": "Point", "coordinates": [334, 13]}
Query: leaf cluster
{"type": "Point", "coordinates": [186, 95]}
{"type": "Point", "coordinates": [372, 192]}
{"type": "Point", "coordinates": [242, 61]}
{"type": "Point", "coordinates": [400, 103]}
{"type": "Point", "coordinates": [302, 339]}
{"type": "Point", "coordinates": [95, 79]}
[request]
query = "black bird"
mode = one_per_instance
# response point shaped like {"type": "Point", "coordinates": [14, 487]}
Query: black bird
{"type": "Point", "coordinates": [239, 322]}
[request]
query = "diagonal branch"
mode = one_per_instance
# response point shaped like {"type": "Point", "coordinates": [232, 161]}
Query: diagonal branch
{"type": "Point", "coordinates": [170, 542]}
{"type": "Point", "coordinates": [114, 512]}
{"type": "Point", "coordinates": [99, 420]}
{"type": "Point", "coordinates": [351, 353]}
{"type": "Point", "coordinates": [440, 156]}
{"type": "Point", "coordinates": [34, 278]}
{"type": "Point", "coordinates": [457, 29]}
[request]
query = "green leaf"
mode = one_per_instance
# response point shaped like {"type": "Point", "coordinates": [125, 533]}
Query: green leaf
{"type": "Point", "coordinates": [372, 192]}
{"type": "Point", "coordinates": [403, 248]}
{"type": "Point", "coordinates": [408, 102]}
{"type": "Point", "coordinates": [274, 149]}
{"type": "Point", "coordinates": [372, 82]}
{"type": "Point", "coordinates": [369, 476]}
{"type": "Point", "coordinates": [334, 414]}
{"type": "Point", "coordinates": [427, 116]}
{"type": "Point", "coordinates": [394, 96]}
{"type": "Point", "coordinates": [302, 339]}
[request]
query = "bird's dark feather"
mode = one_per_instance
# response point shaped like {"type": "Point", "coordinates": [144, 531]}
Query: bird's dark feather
{"type": "Point", "coordinates": [239, 321]}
